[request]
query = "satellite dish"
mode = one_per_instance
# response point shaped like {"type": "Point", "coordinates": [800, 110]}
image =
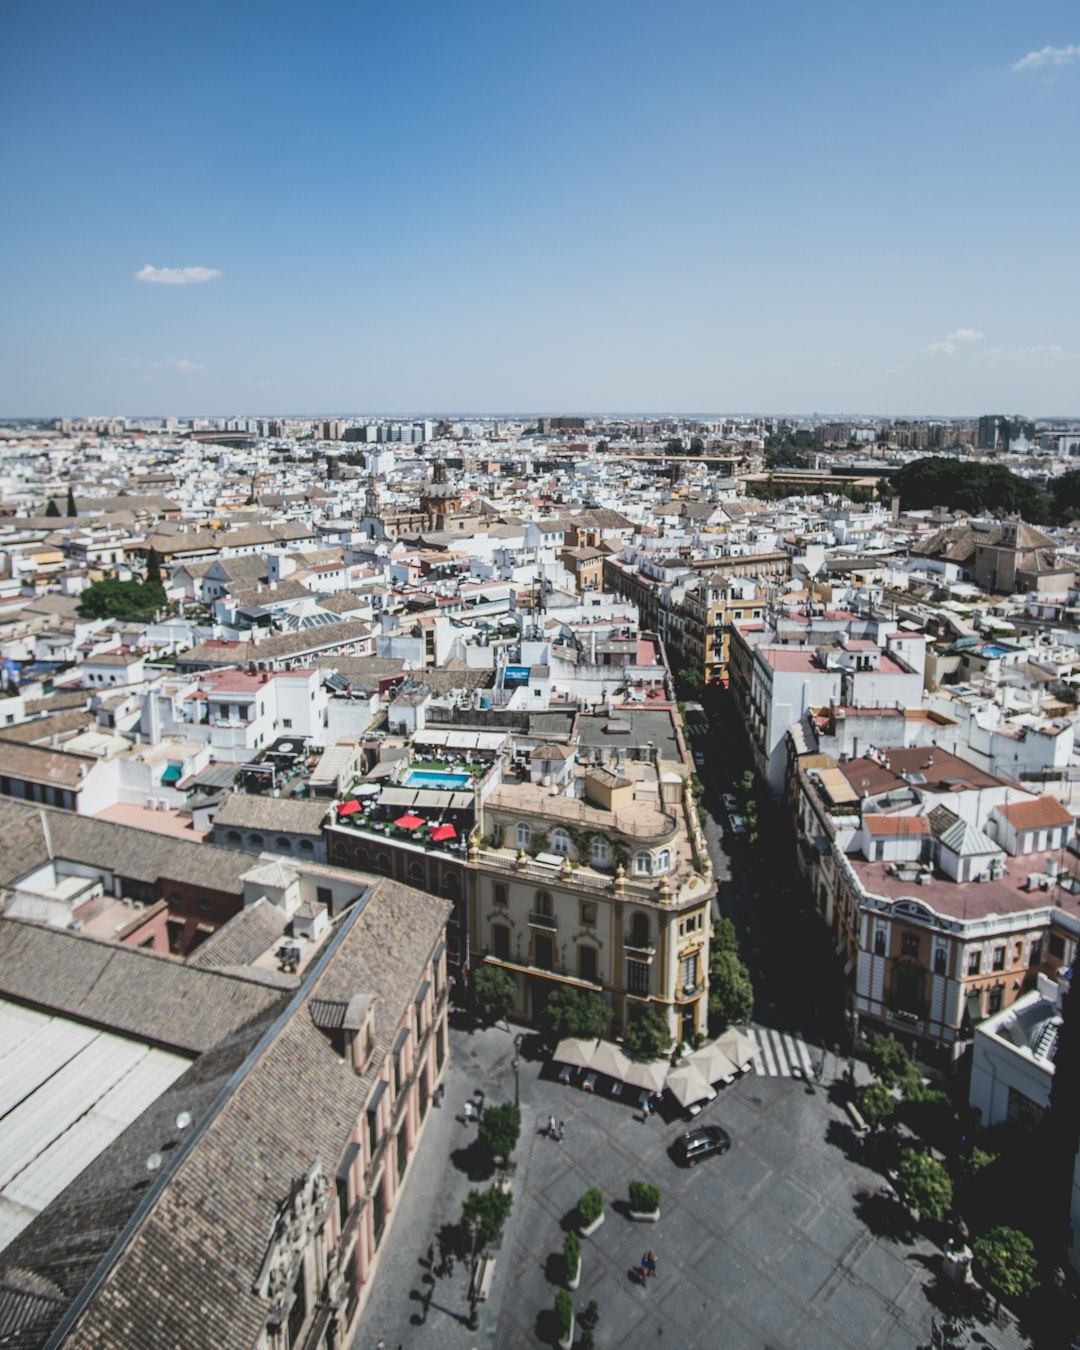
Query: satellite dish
{"type": "Point", "coordinates": [183, 1120]}
{"type": "Point", "coordinates": [153, 1162]}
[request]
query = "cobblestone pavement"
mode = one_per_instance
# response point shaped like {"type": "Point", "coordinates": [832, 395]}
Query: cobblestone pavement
{"type": "Point", "coordinates": [783, 1244]}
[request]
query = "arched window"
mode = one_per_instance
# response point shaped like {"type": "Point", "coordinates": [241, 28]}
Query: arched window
{"type": "Point", "coordinates": [643, 863]}
{"type": "Point", "coordinates": [663, 860]}
{"type": "Point", "coordinates": [306, 846]}
{"type": "Point", "coordinates": [382, 864]}
{"type": "Point", "coordinates": [256, 840]}
{"type": "Point", "coordinates": [416, 874]}
{"type": "Point", "coordinates": [283, 844]}
{"type": "Point", "coordinates": [599, 852]}
{"type": "Point", "coordinates": [451, 886]}
{"type": "Point", "coordinates": [233, 836]}
{"type": "Point", "coordinates": [544, 904]}
{"type": "Point", "coordinates": [639, 930]}
{"type": "Point", "coordinates": [560, 842]}
{"type": "Point", "coordinates": [524, 835]}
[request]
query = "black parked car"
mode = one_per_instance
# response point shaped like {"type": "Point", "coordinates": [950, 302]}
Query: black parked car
{"type": "Point", "coordinates": [701, 1143]}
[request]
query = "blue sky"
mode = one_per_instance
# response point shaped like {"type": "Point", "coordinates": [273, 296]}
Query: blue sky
{"type": "Point", "coordinates": [564, 206]}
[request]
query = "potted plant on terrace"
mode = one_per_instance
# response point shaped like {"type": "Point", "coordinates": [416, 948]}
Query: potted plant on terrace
{"type": "Point", "coordinates": [571, 1250]}
{"type": "Point", "coordinates": [564, 1310]}
{"type": "Point", "coordinates": [644, 1201]}
{"type": "Point", "coordinates": [591, 1212]}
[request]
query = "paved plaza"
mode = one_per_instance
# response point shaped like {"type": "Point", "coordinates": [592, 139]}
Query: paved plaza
{"type": "Point", "coordinates": [783, 1243]}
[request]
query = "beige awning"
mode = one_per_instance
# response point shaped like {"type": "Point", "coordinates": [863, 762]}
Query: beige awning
{"type": "Point", "coordinates": [715, 1064]}
{"type": "Point", "coordinates": [576, 1052]}
{"type": "Point", "coordinates": [737, 1045]}
{"type": "Point", "coordinates": [687, 1084]}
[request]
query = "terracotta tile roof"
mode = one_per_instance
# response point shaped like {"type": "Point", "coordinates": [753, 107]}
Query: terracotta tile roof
{"type": "Point", "coordinates": [1042, 814]}
{"type": "Point", "coordinates": [123, 988]}
{"type": "Point", "coordinates": [187, 1274]}
{"type": "Point", "coordinates": [896, 827]}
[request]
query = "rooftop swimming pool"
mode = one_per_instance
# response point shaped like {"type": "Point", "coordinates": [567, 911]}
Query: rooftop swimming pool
{"type": "Point", "coordinates": [430, 778]}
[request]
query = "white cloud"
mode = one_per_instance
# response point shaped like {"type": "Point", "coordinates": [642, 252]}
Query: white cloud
{"type": "Point", "coordinates": [1048, 354]}
{"type": "Point", "coordinates": [176, 276]}
{"type": "Point", "coordinates": [148, 369]}
{"type": "Point", "coordinates": [1049, 56]}
{"type": "Point", "coordinates": [965, 335]}
{"type": "Point", "coordinates": [938, 349]}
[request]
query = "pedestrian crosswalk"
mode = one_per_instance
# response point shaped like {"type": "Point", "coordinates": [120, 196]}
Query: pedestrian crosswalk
{"type": "Point", "coordinates": [784, 1054]}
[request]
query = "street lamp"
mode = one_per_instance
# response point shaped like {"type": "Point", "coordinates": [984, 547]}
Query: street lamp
{"type": "Point", "coordinates": [515, 1064]}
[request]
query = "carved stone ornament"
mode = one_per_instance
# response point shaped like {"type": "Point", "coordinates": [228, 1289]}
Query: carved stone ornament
{"type": "Point", "coordinates": [298, 1219]}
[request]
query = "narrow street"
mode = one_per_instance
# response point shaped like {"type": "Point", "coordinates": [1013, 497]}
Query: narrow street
{"type": "Point", "coordinates": [798, 985]}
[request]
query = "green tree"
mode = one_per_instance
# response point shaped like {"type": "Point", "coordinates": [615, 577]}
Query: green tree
{"type": "Point", "coordinates": [499, 1129]}
{"type": "Point", "coordinates": [724, 938]}
{"type": "Point", "coordinates": [876, 1104]}
{"type": "Point", "coordinates": [113, 599]}
{"type": "Point", "coordinates": [71, 509]}
{"type": "Point", "coordinates": [52, 509]}
{"type": "Point", "coordinates": [891, 1063]}
{"type": "Point", "coordinates": [493, 993]}
{"type": "Point", "coordinates": [153, 567]}
{"type": "Point", "coordinates": [576, 1012]}
{"type": "Point", "coordinates": [1005, 1263]}
{"type": "Point", "coordinates": [731, 995]}
{"type": "Point", "coordinates": [485, 1212]}
{"type": "Point", "coordinates": [1065, 491]}
{"type": "Point", "coordinates": [647, 1035]}
{"type": "Point", "coordinates": [971, 486]}
{"type": "Point", "coordinates": [926, 1184]}
{"type": "Point", "coordinates": [675, 447]}
{"type": "Point", "coordinates": [564, 1310]}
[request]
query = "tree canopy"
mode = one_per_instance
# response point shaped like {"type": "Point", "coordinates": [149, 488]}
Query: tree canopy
{"type": "Point", "coordinates": [647, 1035]}
{"type": "Point", "coordinates": [731, 995]}
{"type": "Point", "coordinates": [926, 1184]}
{"type": "Point", "coordinates": [1065, 490]}
{"type": "Point", "coordinates": [781, 452]}
{"type": "Point", "coordinates": [113, 599]}
{"type": "Point", "coordinates": [877, 1105]}
{"type": "Point", "coordinates": [892, 1064]}
{"type": "Point", "coordinates": [1005, 1263]}
{"type": "Point", "coordinates": [485, 1213]}
{"type": "Point", "coordinates": [499, 1129]}
{"type": "Point", "coordinates": [969, 485]}
{"type": "Point", "coordinates": [493, 993]}
{"type": "Point", "coordinates": [576, 1012]}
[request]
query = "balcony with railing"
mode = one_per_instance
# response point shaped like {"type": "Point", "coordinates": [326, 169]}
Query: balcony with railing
{"type": "Point", "coordinates": [545, 921]}
{"type": "Point", "coordinates": [639, 944]}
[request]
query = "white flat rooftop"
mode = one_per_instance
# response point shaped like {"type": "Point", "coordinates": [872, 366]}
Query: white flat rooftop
{"type": "Point", "coordinates": [66, 1091]}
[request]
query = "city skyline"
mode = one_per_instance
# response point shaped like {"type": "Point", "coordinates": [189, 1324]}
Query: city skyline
{"type": "Point", "coordinates": [551, 209]}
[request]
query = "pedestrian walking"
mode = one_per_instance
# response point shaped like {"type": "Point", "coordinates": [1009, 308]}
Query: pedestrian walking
{"type": "Point", "coordinates": [467, 1112]}
{"type": "Point", "coordinates": [645, 1268]}
{"type": "Point", "coordinates": [450, 1265]}
{"type": "Point", "coordinates": [562, 1130]}
{"type": "Point", "coordinates": [652, 1265]}
{"type": "Point", "coordinates": [431, 1258]}
{"type": "Point", "coordinates": [552, 1128]}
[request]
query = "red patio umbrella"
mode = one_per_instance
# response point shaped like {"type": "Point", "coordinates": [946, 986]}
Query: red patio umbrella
{"type": "Point", "coordinates": [409, 821]}
{"type": "Point", "coordinates": [441, 832]}
{"type": "Point", "coordinates": [348, 808]}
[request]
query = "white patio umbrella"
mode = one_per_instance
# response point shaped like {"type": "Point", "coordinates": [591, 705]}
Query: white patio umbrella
{"type": "Point", "coordinates": [714, 1063]}
{"type": "Point", "coordinates": [576, 1052]}
{"type": "Point", "coordinates": [650, 1076]}
{"type": "Point", "coordinates": [687, 1084]}
{"type": "Point", "coordinates": [609, 1059]}
{"type": "Point", "coordinates": [367, 790]}
{"type": "Point", "coordinates": [737, 1045]}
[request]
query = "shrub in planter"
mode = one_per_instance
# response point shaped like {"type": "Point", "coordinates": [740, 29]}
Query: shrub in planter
{"type": "Point", "coordinates": [564, 1310]}
{"type": "Point", "coordinates": [591, 1315]}
{"type": "Point", "coordinates": [571, 1250]}
{"type": "Point", "coordinates": [591, 1209]}
{"type": "Point", "coordinates": [644, 1198]}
